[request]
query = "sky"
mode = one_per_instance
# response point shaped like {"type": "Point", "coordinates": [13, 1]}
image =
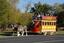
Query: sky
{"type": "Point", "coordinates": [22, 3]}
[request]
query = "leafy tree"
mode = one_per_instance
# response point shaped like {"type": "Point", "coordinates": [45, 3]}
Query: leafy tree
{"type": "Point", "coordinates": [60, 18]}
{"type": "Point", "coordinates": [13, 2]}
{"type": "Point", "coordinates": [8, 13]}
{"type": "Point", "coordinates": [58, 8]}
{"type": "Point", "coordinates": [26, 18]}
{"type": "Point", "coordinates": [41, 8]}
{"type": "Point", "coordinates": [60, 14]}
{"type": "Point", "coordinates": [27, 7]}
{"type": "Point", "coordinates": [4, 8]}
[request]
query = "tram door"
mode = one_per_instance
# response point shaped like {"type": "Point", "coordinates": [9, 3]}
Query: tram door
{"type": "Point", "coordinates": [37, 25]}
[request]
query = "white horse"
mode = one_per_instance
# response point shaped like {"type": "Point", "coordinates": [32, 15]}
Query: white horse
{"type": "Point", "coordinates": [22, 30]}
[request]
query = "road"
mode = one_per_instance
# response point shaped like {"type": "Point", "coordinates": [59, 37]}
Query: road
{"type": "Point", "coordinates": [32, 39]}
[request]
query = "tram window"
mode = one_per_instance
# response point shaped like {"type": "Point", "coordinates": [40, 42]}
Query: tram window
{"type": "Point", "coordinates": [51, 23]}
{"type": "Point", "coordinates": [47, 23]}
{"type": "Point", "coordinates": [54, 23]}
{"type": "Point", "coordinates": [42, 23]}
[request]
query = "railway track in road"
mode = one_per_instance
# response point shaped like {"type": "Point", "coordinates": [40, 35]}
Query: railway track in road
{"type": "Point", "coordinates": [32, 39]}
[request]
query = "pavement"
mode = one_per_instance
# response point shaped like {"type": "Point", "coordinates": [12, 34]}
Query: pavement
{"type": "Point", "coordinates": [32, 39]}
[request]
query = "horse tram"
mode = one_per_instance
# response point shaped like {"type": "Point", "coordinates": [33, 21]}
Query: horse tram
{"type": "Point", "coordinates": [42, 24]}
{"type": "Point", "coordinates": [45, 25]}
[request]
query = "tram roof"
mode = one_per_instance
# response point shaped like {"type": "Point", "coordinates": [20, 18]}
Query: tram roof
{"type": "Point", "coordinates": [49, 17]}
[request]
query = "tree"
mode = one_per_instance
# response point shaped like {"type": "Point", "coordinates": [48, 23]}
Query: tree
{"type": "Point", "coordinates": [13, 2]}
{"type": "Point", "coordinates": [14, 13]}
{"type": "Point", "coordinates": [13, 16]}
{"type": "Point", "coordinates": [59, 12]}
{"type": "Point", "coordinates": [4, 8]}
{"type": "Point", "coordinates": [39, 8]}
{"type": "Point", "coordinates": [27, 7]}
{"type": "Point", "coordinates": [26, 18]}
{"type": "Point", "coordinates": [8, 13]}
{"type": "Point", "coordinates": [62, 5]}
{"type": "Point", "coordinates": [58, 8]}
{"type": "Point", "coordinates": [60, 19]}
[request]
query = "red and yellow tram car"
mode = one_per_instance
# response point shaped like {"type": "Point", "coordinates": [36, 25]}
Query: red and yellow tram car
{"type": "Point", "coordinates": [46, 25]}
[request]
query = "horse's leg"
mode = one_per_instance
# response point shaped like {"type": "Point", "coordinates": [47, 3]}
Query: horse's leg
{"type": "Point", "coordinates": [18, 33]}
{"type": "Point", "coordinates": [22, 33]}
{"type": "Point", "coordinates": [13, 33]}
{"type": "Point", "coordinates": [26, 32]}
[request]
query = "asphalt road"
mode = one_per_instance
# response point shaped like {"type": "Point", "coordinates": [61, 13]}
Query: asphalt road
{"type": "Point", "coordinates": [32, 39]}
